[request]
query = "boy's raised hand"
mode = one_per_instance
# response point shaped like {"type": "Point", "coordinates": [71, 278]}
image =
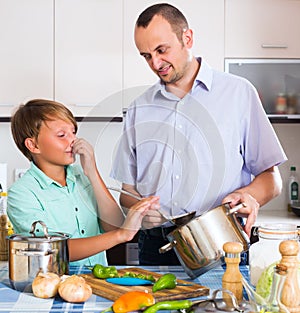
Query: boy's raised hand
{"type": "Point", "coordinates": [87, 156]}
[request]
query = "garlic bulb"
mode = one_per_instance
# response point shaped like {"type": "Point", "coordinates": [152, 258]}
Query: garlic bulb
{"type": "Point", "coordinates": [45, 285]}
{"type": "Point", "coordinates": [74, 289]}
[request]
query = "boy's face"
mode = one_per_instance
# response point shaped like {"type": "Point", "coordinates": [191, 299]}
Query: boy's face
{"type": "Point", "coordinates": [54, 143]}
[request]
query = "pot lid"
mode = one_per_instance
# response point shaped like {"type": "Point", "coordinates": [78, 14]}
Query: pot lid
{"type": "Point", "coordinates": [35, 236]}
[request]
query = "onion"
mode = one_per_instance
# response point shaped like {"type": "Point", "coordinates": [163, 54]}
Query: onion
{"type": "Point", "coordinates": [74, 289]}
{"type": "Point", "coordinates": [45, 285]}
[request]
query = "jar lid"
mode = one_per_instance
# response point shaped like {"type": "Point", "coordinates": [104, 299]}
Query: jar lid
{"type": "Point", "coordinates": [278, 231]}
{"type": "Point", "coordinates": [278, 226]}
{"type": "Point", "coordinates": [33, 236]}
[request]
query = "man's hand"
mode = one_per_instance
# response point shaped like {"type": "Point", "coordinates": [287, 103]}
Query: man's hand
{"type": "Point", "coordinates": [250, 209]}
{"type": "Point", "coordinates": [135, 216]}
{"type": "Point", "coordinates": [153, 217]}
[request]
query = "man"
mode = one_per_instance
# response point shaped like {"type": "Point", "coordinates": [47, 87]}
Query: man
{"type": "Point", "coordinates": [197, 138]}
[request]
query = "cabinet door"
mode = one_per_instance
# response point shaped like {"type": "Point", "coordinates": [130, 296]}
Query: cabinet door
{"type": "Point", "coordinates": [262, 28]}
{"type": "Point", "coordinates": [205, 18]}
{"type": "Point", "coordinates": [26, 51]}
{"type": "Point", "coordinates": [88, 56]}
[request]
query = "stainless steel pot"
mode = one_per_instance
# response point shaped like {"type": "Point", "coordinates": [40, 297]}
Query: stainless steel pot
{"type": "Point", "coordinates": [31, 253]}
{"type": "Point", "coordinates": [199, 243]}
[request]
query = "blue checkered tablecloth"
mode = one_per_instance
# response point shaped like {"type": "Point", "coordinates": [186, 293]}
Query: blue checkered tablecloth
{"type": "Point", "coordinates": [12, 301]}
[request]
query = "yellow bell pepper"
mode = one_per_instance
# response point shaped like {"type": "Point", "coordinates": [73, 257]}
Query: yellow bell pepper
{"type": "Point", "coordinates": [133, 301]}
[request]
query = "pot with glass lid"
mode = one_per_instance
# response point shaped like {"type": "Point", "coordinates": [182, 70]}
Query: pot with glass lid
{"type": "Point", "coordinates": [33, 252]}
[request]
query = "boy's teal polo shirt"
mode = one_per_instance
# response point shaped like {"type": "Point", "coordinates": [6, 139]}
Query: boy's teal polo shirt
{"type": "Point", "coordinates": [69, 209]}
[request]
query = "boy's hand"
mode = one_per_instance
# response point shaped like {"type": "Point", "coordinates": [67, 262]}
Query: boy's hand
{"type": "Point", "coordinates": [135, 215]}
{"type": "Point", "coordinates": [87, 156]}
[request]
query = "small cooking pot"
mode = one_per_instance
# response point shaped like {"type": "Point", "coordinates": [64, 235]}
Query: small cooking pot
{"type": "Point", "coordinates": [31, 253]}
{"type": "Point", "coordinates": [199, 243]}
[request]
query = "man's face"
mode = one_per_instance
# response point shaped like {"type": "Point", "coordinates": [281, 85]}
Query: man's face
{"type": "Point", "coordinates": [166, 55]}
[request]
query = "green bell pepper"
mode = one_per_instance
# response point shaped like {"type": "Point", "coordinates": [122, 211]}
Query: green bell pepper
{"type": "Point", "coordinates": [167, 281]}
{"type": "Point", "coordinates": [100, 271]}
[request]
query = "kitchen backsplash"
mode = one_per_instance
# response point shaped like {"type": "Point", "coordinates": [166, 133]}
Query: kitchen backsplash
{"type": "Point", "coordinates": [288, 135]}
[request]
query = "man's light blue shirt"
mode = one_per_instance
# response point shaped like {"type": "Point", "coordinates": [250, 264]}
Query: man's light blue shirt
{"type": "Point", "coordinates": [70, 209]}
{"type": "Point", "coordinates": [194, 151]}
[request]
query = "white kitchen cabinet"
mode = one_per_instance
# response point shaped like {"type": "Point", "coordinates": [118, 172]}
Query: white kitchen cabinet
{"type": "Point", "coordinates": [26, 51]}
{"type": "Point", "coordinates": [206, 18]}
{"type": "Point", "coordinates": [82, 52]}
{"type": "Point", "coordinates": [262, 28]}
{"type": "Point", "coordinates": [88, 56]}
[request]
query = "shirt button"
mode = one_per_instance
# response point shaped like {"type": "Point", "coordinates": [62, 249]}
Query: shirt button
{"type": "Point", "coordinates": [82, 231]}
{"type": "Point", "coordinates": [76, 209]}
{"type": "Point", "coordinates": [177, 176]}
{"type": "Point", "coordinates": [175, 203]}
{"type": "Point", "coordinates": [180, 126]}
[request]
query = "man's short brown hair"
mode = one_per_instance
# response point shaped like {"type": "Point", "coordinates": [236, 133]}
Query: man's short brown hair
{"type": "Point", "coordinates": [170, 13]}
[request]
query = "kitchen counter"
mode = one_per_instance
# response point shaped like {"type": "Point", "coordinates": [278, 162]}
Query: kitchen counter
{"type": "Point", "coordinates": [277, 216]}
{"type": "Point", "coordinates": [13, 301]}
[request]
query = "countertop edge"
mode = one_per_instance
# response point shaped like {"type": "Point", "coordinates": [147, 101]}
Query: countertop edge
{"type": "Point", "coordinates": [276, 216]}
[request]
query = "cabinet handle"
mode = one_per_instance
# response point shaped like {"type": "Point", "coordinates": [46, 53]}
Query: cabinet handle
{"type": "Point", "coordinates": [274, 46]}
{"type": "Point", "coordinates": [6, 104]}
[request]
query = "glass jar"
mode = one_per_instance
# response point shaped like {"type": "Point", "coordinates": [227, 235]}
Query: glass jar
{"type": "Point", "coordinates": [266, 251]}
{"type": "Point", "coordinates": [281, 104]}
{"type": "Point", "coordinates": [279, 276]}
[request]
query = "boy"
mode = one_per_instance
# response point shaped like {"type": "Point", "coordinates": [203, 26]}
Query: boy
{"type": "Point", "coordinates": [66, 197]}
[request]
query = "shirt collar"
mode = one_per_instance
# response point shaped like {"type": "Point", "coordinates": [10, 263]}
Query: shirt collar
{"type": "Point", "coordinates": [204, 79]}
{"type": "Point", "coordinates": [45, 181]}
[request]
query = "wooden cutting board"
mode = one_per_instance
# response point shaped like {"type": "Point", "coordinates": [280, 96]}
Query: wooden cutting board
{"type": "Point", "coordinates": [112, 292]}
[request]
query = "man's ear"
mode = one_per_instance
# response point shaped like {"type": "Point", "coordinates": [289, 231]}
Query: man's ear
{"type": "Point", "coordinates": [187, 38]}
{"type": "Point", "coordinates": [31, 145]}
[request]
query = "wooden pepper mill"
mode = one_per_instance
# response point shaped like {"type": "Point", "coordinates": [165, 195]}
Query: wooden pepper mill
{"type": "Point", "coordinates": [232, 278]}
{"type": "Point", "coordinates": [290, 294]}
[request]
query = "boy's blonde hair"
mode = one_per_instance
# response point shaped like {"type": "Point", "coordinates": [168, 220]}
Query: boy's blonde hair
{"type": "Point", "coordinates": [28, 118]}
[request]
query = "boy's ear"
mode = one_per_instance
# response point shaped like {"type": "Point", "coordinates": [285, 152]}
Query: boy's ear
{"type": "Point", "coordinates": [31, 145]}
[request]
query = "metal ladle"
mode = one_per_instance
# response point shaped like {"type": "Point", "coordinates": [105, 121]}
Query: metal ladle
{"type": "Point", "coordinates": [177, 220]}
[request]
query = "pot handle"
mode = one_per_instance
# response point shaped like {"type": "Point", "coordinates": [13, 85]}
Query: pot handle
{"type": "Point", "coordinates": [167, 247]}
{"type": "Point", "coordinates": [230, 211]}
{"type": "Point", "coordinates": [45, 229]}
{"type": "Point", "coordinates": [235, 208]}
{"type": "Point", "coordinates": [34, 253]}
